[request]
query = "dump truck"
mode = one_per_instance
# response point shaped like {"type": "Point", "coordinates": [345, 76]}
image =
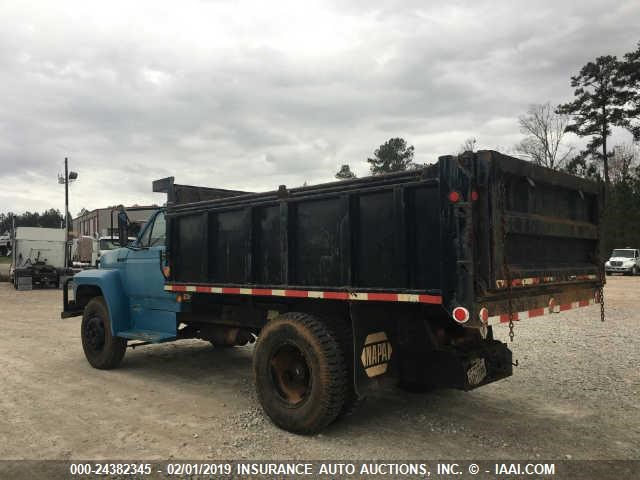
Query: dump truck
{"type": "Point", "coordinates": [347, 286]}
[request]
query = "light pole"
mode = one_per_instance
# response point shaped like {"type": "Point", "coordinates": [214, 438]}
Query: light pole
{"type": "Point", "coordinates": [68, 177]}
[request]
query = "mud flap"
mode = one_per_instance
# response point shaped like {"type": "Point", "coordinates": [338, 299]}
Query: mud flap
{"type": "Point", "coordinates": [375, 346]}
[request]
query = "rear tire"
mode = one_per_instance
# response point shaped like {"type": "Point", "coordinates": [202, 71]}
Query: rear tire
{"type": "Point", "coordinates": [300, 373]}
{"type": "Point", "coordinates": [102, 349]}
{"type": "Point", "coordinates": [344, 334]}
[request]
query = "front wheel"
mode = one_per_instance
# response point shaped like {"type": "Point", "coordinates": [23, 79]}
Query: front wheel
{"type": "Point", "coordinates": [300, 373]}
{"type": "Point", "coordinates": [102, 349]}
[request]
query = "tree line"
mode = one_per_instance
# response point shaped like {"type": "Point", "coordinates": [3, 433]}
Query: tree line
{"type": "Point", "coordinates": [51, 218]}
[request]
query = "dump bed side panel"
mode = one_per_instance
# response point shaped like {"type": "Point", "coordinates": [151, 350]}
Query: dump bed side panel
{"type": "Point", "coordinates": [382, 234]}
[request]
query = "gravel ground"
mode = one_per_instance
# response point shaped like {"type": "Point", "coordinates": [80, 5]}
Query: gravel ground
{"type": "Point", "coordinates": [574, 395]}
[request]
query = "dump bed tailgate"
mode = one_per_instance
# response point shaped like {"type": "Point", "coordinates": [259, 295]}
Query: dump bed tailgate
{"type": "Point", "coordinates": [542, 229]}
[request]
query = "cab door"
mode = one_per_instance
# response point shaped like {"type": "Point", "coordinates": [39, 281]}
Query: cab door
{"type": "Point", "coordinates": [151, 308]}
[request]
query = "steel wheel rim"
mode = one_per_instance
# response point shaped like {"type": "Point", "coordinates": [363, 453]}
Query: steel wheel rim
{"type": "Point", "coordinates": [290, 374]}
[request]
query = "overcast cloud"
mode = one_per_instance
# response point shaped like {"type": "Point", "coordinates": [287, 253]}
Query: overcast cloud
{"type": "Point", "coordinates": [251, 94]}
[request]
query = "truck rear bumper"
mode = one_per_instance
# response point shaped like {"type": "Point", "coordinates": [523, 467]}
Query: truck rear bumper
{"type": "Point", "coordinates": [464, 370]}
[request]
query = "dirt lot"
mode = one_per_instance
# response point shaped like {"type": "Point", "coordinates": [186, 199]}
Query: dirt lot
{"type": "Point", "coordinates": [574, 395]}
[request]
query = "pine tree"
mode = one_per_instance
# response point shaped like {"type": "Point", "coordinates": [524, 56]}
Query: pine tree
{"type": "Point", "coordinates": [345, 173]}
{"type": "Point", "coordinates": [599, 104]}
{"type": "Point", "coordinates": [392, 156]}
{"type": "Point", "coordinates": [630, 78]}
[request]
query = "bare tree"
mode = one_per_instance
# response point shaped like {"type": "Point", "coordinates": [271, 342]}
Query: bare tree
{"type": "Point", "coordinates": [544, 130]}
{"type": "Point", "coordinates": [621, 162]}
{"type": "Point", "coordinates": [469, 145]}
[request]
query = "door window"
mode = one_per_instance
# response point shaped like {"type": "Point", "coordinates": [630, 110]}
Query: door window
{"type": "Point", "coordinates": [158, 231]}
{"type": "Point", "coordinates": [144, 240]}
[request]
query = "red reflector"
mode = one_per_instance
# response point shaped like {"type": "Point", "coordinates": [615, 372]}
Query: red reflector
{"type": "Point", "coordinates": [484, 315]}
{"type": "Point", "coordinates": [460, 314]}
{"type": "Point", "coordinates": [474, 195]}
{"type": "Point", "coordinates": [454, 196]}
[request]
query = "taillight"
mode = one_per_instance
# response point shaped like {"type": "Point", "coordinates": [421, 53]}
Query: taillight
{"type": "Point", "coordinates": [474, 195]}
{"type": "Point", "coordinates": [460, 314]}
{"type": "Point", "coordinates": [454, 196]}
{"type": "Point", "coordinates": [484, 315]}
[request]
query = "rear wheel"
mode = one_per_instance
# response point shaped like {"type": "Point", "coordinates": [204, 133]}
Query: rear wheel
{"type": "Point", "coordinates": [102, 349]}
{"type": "Point", "coordinates": [300, 373]}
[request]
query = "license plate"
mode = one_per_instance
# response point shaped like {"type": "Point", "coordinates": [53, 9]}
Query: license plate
{"type": "Point", "coordinates": [477, 371]}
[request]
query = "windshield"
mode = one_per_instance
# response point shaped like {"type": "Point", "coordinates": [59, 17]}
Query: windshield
{"type": "Point", "coordinates": [623, 253]}
{"type": "Point", "coordinates": [108, 244]}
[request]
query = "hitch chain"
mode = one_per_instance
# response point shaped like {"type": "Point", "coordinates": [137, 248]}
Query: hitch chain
{"type": "Point", "coordinates": [601, 292]}
{"type": "Point", "coordinates": [505, 264]}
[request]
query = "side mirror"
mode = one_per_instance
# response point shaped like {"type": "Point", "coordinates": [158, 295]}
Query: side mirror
{"type": "Point", "coordinates": [123, 228]}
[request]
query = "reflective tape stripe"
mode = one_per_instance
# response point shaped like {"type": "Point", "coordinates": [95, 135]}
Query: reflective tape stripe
{"type": "Point", "coordinates": [538, 312]}
{"type": "Point", "coordinates": [358, 296]}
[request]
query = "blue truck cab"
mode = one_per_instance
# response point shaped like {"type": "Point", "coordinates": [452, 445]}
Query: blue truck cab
{"type": "Point", "coordinates": [124, 299]}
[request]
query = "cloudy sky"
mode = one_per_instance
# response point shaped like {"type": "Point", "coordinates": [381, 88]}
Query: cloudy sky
{"type": "Point", "coordinates": [252, 94]}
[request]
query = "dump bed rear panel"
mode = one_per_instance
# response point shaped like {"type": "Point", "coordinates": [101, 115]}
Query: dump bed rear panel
{"type": "Point", "coordinates": [542, 230]}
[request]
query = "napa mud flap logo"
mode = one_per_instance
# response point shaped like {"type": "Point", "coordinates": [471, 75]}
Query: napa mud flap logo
{"type": "Point", "coordinates": [376, 354]}
{"type": "Point", "coordinates": [477, 371]}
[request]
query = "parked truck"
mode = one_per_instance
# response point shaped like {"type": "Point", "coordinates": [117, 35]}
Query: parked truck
{"type": "Point", "coordinates": [103, 244]}
{"type": "Point", "coordinates": [5, 245]}
{"type": "Point", "coordinates": [37, 257]}
{"type": "Point", "coordinates": [623, 260]}
{"type": "Point", "coordinates": [397, 277]}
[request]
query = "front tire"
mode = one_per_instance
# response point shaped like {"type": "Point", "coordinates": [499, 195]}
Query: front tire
{"type": "Point", "coordinates": [102, 349]}
{"type": "Point", "coordinates": [300, 373]}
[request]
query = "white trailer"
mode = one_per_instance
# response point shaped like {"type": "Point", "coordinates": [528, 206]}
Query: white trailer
{"type": "Point", "coordinates": [38, 257]}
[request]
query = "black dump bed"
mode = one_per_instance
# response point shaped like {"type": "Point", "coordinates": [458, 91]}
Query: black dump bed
{"type": "Point", "coordinates": [481, 231]}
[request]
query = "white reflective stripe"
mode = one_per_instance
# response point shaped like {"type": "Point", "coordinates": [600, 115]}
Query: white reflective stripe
{"type": "Point", "coordinates": [216, 290]}
{"type": "Point", "coordinates": [246, 291]}
{"type": "Point", "coordinates": [408, 297]}
{"type": "Point", "coordinates": [278, 293]}
{"type": "Point", "coordinates": [313, 294]}
{"type": "Point", "coordinates": [190, 289]}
